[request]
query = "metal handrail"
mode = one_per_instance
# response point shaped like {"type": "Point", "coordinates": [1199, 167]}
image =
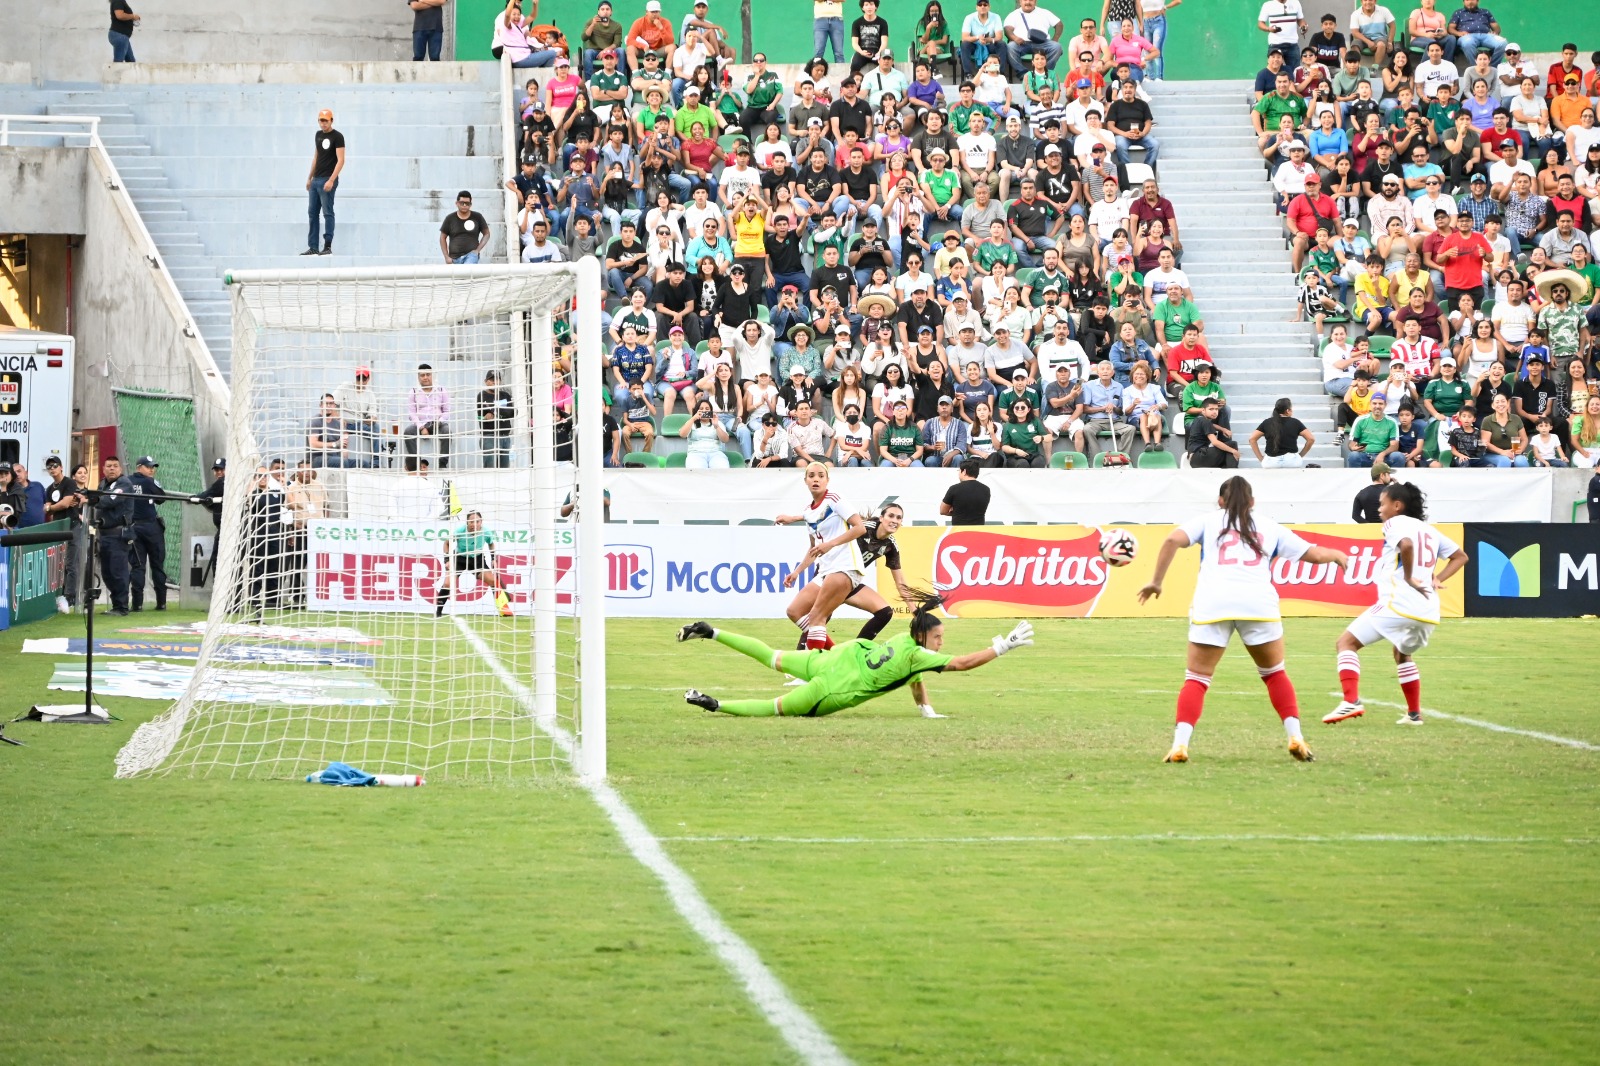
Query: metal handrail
{"type": "Point", "coordinates": [209, 371]}
{"type": "Point", "coordinates": [508, 158]}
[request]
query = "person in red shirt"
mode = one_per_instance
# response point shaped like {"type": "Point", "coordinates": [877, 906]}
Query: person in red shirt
{"type": "Point", "coordinates": [1556, 81]}
{"type": "Point", "coordinates": [1500, 132]}
{"type": "Point", "coordinates": [1307, 211]}
{"type": "Point", "coordinates": [1153, 205]}
{"type": "Point", "coordinates": [1185, 358]}
{"type": "Point", "coordinates": [1464, 255]}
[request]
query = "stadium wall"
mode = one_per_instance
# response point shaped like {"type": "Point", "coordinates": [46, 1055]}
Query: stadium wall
{"type": "Point", "coordinates": [1215, 40]}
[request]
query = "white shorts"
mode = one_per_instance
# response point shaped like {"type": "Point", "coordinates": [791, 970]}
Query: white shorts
{"type": "Point", "coordinates": [1408, 635]}
{"type": "Point", "coordinates": [1217, 634]}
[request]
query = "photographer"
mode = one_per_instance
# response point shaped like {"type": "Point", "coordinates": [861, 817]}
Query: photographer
{"type": "Point", "coordinates": [706, 438]}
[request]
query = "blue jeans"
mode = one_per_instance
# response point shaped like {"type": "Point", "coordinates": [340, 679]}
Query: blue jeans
{"type": "Point", "coordinates": [843, 204]}
{"type": "Point", "coordinates": [619, 284]}
{"type": "Point", "coordinates": [1447, 42]}
{"type": "Point", "coordinates": [968, 53]}
{"type": "Point", "coordinates": [544, 57]}
{"type": "Point", "coordinates": [426, 42]}
{"type": "Point", "coordinates": [469, 259]}
{"type": "Point", "coordinates": [121, 47]}
{"type": "Point", "coordinates": [591, 58]}
{"type": "Point", "coordinates": [951, 458]}
{"type": "Point", "coordinates": [320, 199]}
{"type": "Point", "coordinates": [1360, 459]}
{"type": "Point", "coordinates": [1020, 55]}
{"type": "Point", "coordinates": [825, 31]}
{"type": "Point", "coordinates": [1155, 31]}
{"type": "Point", "coordinates": [1495, 459]}
{"type": "Point", "coordinates": [496, 450]}
{"type": "Point", "coordinates": [1151, 146]}
{"type": "Point", "coordinates": [680, 186]}
{"type": "Point", "coordinates": [1473, 43]}
{"type": "Point", "coordinates": [1035, 257]}
{"type": "Point", "coordinates": [778, 281]}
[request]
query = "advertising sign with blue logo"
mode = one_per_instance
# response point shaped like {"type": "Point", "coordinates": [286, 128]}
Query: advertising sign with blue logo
{"type": "Point", "coordinates": [704, 571]}
{"type": "Point", "coordinates": [1531, 570]}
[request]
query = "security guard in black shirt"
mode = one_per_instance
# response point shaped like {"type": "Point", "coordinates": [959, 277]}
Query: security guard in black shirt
{"type": "Point", "coordinates": [213, 494]}
{"type": "Point", "coordinates": [114, 521]}
{"type": "Point", "coordinates": [150, 535]}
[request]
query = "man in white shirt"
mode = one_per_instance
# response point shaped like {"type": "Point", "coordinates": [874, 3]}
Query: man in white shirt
{"type": "Point", "coordinates": [1004, 357]}
{"type": "Point", "coordinates": [1513, 70]}
{"type": "Point", "coordinates": [1425, 208]}
{"type": "Point", "coordinates": [1372, 30]}
{"type": "Point", "coordinates": [976, 150]}
{"type": "Point", "coordinates": [1509, 166]}
{"type": "Point", "coordinates": [1512, 317]}
{"type": "Point", "coordinates": [1164, 277]}
{"type": "Point", "coordinates": [1073, 115]}
{"type": "Point", "coordinates": [700, 208]}
{"type": "Point", "coordinates": [1290, 178]}
{"type": "Point", "coordinates": [1284, 22]}
{"type": "Point", "coordinates": [540, 249]}
{"type": "Point", "coordinates": [1062, 350]}
{"type": "Point", "coordinates": [1094, 133]}
{"type": "Point", "coordinates": [1109, 214]}
{"type": "Point", "coordinates": [1029, 29]}
{"type": "Point", "coordinates": [1434, 72]}
{"type": "Point", "coordinates": [962, 315]}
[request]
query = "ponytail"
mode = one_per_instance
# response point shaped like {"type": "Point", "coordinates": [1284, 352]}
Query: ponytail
{"type": "Point", "coordinates": [1274, 430]}
{"type": "Point", "coordinates": [1237, 500]}
{"type": "Point", "coordinates": [1409, 497]}
{"type": "Point", "coordinates": [923, 620]}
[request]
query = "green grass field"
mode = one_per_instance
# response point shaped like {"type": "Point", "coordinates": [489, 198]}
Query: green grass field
{"type": "Point", "coordinates": [1022, 883]}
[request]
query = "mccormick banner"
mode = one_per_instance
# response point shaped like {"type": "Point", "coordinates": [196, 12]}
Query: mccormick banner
{"type": "Point", "coordinates": [651, 571]}
{"type": "Point", "coordinates": [1526, 570]}
{"type": "Point", "coordinates": [1056, 571]}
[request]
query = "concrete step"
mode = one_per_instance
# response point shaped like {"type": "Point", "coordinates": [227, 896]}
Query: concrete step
{"type": "Point", "coordinates": [452, 138]}
{"type": "Point", "coordinates": [438, 173]}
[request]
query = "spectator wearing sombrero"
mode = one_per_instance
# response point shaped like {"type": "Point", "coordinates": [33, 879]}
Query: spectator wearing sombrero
{"type": "Point", "coordinates": [1566, 330]}
{"type": "Point", "coordinates": [803, 352]}
{"type": "Point", "coordinates": [874, 311]}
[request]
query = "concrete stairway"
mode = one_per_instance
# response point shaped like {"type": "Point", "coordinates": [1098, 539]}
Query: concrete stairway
{"type": "Point", "coordinates": [218, 173]}
{"type": "Point", "coordinates": [1233, 253]}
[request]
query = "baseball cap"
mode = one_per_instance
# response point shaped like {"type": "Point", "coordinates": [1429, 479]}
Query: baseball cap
{"type": "Point", "coordinates": [1477, 179]}
{"type": "Point", "coordinates": [363, 371]}
{"type": "Point", "coordinates": [654, 7]}
{"type": "Point", "coordinates": [1514, 47]}
{"type": "Point", "coordinates": [1313, 179]}
{"type": "Point", "coordinates": [791, 288]}
{"type": "Point", "coordinates": [220, 464]}
{"type": "Point", "coordinates": [1447, 361]}
{"type": "Point", "coordinates": [924, 329]}
{"type": "Point", "coordinates": [1019, 374]}
{"type": "Point", "coordinates": [6, 468]}
{"type": "Point", "coordinates": [959, 294]}
{"type": "Point", "coordinates": [609, 53]}
{"type": "Point", "coordinates": [691, 90]}
{"type": "Point", "coordinates": [1052, 150]}
{"type": "Point", "coordinates": [1084, 83]}
{"type": "Point", "coordinates": [1351, 223]}
{"type": "Point", "coordinates": [147, 460]}
{"type": "Point", "coordinates": [1301, 145]}
{"type": "Point", "coordinates": [54, 460]}
{"type": "Point", "coordinates": [737, 268]}
{"type": "Point", "coordinates": [814, 123]}
{"type": "Point", "coordinates": [843, 327]}
{"type": "Point", "coordinates": [563, 61]}
{"type": "Point", "coordinates": [674, 329]}
{"type": "Point", "coordinates": [325, 113]}
{"type": "Point", "coordinates": [945, 401]}
{"type": "Point", "coordinates": [1380, 468]}
{"type": "Point", "coordinates": [796, 369]}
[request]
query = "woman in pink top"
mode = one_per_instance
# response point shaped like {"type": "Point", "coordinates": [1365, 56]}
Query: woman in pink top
{"type": "Point", "coordinates": [511, 38]}
{"type": "Point", "coordinates": [1130, 48]}
{"type": "Point", "coordinates": [560, 91]}
{"type": "Point", "coordinates": [1426, 26]}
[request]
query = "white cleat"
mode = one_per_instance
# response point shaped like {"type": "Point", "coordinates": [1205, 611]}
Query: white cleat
{"type": "Point", "coordinates": [794, 682]}
{"type": "Point", "coordinates": [1409, 718]}
{"type": "Point", "coordinates": [1346, 709]}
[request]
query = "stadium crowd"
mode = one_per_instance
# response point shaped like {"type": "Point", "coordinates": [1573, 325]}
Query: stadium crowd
{"type": "Point", "coordinates": [1440, 196]}
{"type": "Point", "coordinates": [875, 266]}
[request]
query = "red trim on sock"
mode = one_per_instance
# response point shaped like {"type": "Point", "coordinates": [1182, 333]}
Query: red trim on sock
{"type": "Point", "coordinates": [1191, 700]}
{"type": "Point", "coordinates": [1280, 690]}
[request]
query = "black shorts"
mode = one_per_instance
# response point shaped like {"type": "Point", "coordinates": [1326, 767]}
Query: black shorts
{"type": "Point", "coordinates": [472, 563]}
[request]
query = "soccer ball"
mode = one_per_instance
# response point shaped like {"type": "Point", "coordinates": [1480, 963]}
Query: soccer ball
{"type": "Point", "coordinates": [1118, 547]}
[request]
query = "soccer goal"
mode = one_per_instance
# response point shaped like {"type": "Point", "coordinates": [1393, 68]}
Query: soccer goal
{"type": "Point", "coordinates": [410, 571]}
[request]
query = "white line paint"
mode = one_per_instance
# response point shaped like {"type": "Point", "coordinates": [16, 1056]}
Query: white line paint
{"type": "Point", "coordinates": [1567, 742]}
{"type": "Point", "coordinates": [797, 1028]}
{"type": "Point", "coordinates": [1142, 838]}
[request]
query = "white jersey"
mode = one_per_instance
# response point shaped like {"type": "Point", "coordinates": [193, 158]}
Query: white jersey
{"type": "Point", "coordinates": [1235, 583]}
{"type": "Point", "coordinates": [1428, 546]}
{"type": "Point", "coordinates": [830, 517]}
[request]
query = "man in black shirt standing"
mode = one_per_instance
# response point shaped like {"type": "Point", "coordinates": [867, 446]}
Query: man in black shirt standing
{"type": "Point", "coordinates": [149, 534]}
{"type": "Point", "coordinates": [967, 501]}
{"type": "Point", "coordinates": [784, 260]}
{"type": "Point", "coordinates": [62, 502]}
{"type": "Point", "coordinates": [463, 234]}
{"type": "Point", "coordinates": [427, 29]}
{"type": "Point", "coordinates": [849, 112]}
{"type": "Point", "coordinates": [327, 160]}
{"type": "Point", "coordinates": [123, 20]}
{"type": "Point", "coordinates": [1365, 507]}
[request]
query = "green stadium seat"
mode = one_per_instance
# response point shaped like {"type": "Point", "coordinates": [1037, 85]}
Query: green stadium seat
{"type": "Point", "coordinates": [735, 460]}
{"type": "Point", "coordinates": [1069, 461]}
{"type": "Point", "coordinates": [644, 459]}
{"type": "Point", "coordinates": [1379, 344]}
{"type": "Point", "coordinates": [1158, 461]}
{"type": "Point", "coordinates": [676, 459]}
{"type": "Point", "coordinates": [1101, 457]}
{"type": "Point", "coordinates": [672, 424]}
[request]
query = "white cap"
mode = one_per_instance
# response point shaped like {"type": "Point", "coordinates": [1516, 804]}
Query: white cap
{"type": "Point", "coordinates": [654, 7]}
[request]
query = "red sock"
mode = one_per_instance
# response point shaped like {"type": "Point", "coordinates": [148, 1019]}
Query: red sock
{"type": "Point", "coordinates": [1192, 698]}
{"type": "Point", "coordinates": [817, 638]}
{"type": "Point", "coordinates": [1280, 690]}
{"type": "Point", "coordinates": [1350, 676]}
{"type": "Point", "coordinates": [1411, 685]}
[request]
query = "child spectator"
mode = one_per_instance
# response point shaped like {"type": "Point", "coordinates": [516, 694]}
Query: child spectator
{"type": "Point", "coordinates": [1535, 348]}
{"type": "Point", "coordinates": [1545, 447]}
{"type": "Point", "coordinates": [1466, 443]}
{"type": "Point", "coordinates": [638, 419]}
{"type": "Point", "coordinates": [1407, 449]}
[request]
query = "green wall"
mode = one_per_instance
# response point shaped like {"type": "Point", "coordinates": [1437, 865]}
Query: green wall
{"type": "Point", "coordinates": [1206, 38]}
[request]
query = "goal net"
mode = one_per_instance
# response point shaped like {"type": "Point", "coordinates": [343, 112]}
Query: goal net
{"type": "Point", "coordinates": [397, 585]}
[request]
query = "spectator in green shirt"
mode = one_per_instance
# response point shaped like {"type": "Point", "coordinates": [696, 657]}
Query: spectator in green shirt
{"type": "Point", "coordinates": [1447, 393]}
{"type": "Point", "coordinates": [1175, 314]}
{"type": "Point", "coordinates": [900, 440]}
{"type": "Point", "coordinates": [1371, 434]}
{"type": "Point", "coordinates": [1023, 439]}
{"type": "Point", "coordinates": [1283, 100]}
{"type": "Point", "coordinates": [997, 249]}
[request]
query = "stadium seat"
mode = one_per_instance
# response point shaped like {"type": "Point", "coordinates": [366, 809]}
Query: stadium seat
{"type": "Point", "coordinates": [1380, 344]}
{"type": "Point", "coordinates": [1069, 461]}
{"type": "Point", "coordinates": [644, 459]}
{"type": "Point", "coordinates": [735, 460]}
{"type": "Point", "coordinates": [1101, 457]}
{"type": "Point", "coordinates": [1158, 461]}
{"type": "Point", "coordinates": [672, 424]}
{"type": "Point", "coordinates": [676, 459]}
{"type": "Point", "coordinates": [1137, 175]}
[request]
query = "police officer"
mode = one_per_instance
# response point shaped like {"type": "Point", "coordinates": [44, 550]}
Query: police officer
{"type": "Point", "coordinates": [114, 520]}
{"type": "Point", "coordinates": [62, 502]}
{"type": "Point", "coordinates": [213, 494]}
{"type": "Point", "coordinates": [149, 533]}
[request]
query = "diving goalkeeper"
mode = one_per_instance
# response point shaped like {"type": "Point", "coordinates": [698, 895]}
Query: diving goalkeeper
{"type": "Point", "coordinates": [851, 673]}
{"type": "Point", "coordinates": [471, 548]}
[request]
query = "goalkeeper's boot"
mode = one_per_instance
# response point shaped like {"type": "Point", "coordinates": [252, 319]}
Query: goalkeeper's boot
{"type": "Point", "coordinates": [1410, 718]}
{"type": "Point", "coordinates": [1298, 748]}
{"type": "Point", "coordinates": [1179, 753]}
{"type": "Point", "coordinates": [503, 602]}
{"type": "Point", "coordinates": [697, 631]}
{"type": "Point", "coordinates": [700, 699]}
{"type": "Point", "coordinates": [1346, 709]}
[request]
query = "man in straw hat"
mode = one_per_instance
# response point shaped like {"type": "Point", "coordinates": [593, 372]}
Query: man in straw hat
{"type": "Point", "coordinates": [1561, 319]}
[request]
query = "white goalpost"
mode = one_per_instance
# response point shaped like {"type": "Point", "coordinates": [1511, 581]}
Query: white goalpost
{"type": "Point", "coordinates": [405, 594]}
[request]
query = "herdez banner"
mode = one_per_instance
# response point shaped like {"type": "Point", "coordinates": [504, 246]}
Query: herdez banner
{"type": "Point", "coordinates": [1532, 570]}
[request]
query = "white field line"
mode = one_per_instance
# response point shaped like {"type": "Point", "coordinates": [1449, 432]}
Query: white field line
{"type": "Point", "coordinates": [1567, 742]}
{"type": "Point", "coordinates": [1142, 838]}
{"type": "Point", "coordinates": [797, 1028]}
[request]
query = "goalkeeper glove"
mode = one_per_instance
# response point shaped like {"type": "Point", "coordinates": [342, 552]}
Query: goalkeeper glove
{"type": "Point", "coordinates": [1019, 637]}
{"type": "Point", "coordinates": [928, 711]}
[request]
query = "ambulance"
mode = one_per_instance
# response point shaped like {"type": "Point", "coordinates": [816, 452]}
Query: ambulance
{"type": "Point", "coordinates": [35, 398]}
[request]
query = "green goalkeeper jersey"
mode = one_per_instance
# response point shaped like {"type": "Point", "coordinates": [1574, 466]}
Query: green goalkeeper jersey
{"type": "Point", "coordinates": [865, 668]}
{"type": "Point", "coordinates": [467, 543]}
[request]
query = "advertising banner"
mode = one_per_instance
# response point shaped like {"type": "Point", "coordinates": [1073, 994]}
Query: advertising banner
{"type": "Point", "coordinates": [37, 574]}
{"type": "Point", "coordinates": [1532, 570]}
{"type": "Point", "coordinates": [1056, 571]}
{"type": "Point", "coordinates": [651, 571]}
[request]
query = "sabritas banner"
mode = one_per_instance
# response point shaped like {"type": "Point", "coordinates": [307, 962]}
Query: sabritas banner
{"type": "Point", "coordinates": [1056, 571]}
